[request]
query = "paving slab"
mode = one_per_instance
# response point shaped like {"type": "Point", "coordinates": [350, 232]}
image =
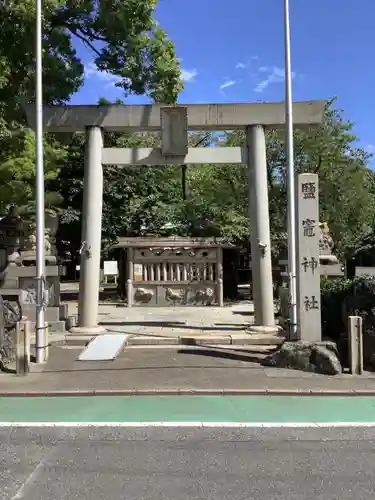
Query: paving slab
{"type": "Point", "coordinates": [178, 321]}
{"type": "Point", "coordinates": [148, 340]}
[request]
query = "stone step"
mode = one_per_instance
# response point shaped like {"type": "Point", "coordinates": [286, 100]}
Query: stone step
{"type": "Point", "coordinates": [76, 340]}
{"type": "Point", "coordinates": [236, 339]}
{"type": "Point", "coordinates": [260, 339]}
{"type": "Point", "coordinates": [259, 350]}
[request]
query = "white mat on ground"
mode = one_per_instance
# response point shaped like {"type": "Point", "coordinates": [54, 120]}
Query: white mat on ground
{"type": "Point", "coordinates": [104, 347]}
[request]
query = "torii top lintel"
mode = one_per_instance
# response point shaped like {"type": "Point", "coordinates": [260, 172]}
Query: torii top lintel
{"type": "Point", "coordinates": [125, 117]}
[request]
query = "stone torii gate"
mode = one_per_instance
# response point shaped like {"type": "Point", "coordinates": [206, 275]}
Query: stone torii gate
{"type": "Point", "coordinates": [174, 122]}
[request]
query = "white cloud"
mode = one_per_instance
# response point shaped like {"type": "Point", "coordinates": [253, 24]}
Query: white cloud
{"type": "Point", "coordinates": [274, 74]}
{"type": "Point", "coordinates": [261, 86]}
{"type": "Point", "coordinates": [371, 147]}
{"type": "Point", "coordinates": [90, 69]}
{"type": "Point", "coordinates": [189, 75]}
{"type": "Point", "coordinates": [91, 72]}
{"type": "Point", "coordinates": [247, 63]}
{"type": "Point", "coordinates": [227, 83]}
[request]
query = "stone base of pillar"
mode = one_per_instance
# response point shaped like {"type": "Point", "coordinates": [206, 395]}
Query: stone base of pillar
{"type": "Point", "coordinates": [87, 330]}
{"type": "Point", "coordinates": [270, 330]}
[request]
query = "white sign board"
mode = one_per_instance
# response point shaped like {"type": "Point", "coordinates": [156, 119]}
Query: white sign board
{"type": "Point", "coordinates": [110, 268]}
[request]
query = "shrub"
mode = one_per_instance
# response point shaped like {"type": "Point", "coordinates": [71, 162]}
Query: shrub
{"type": "Point", "coordinates": [333, 294]}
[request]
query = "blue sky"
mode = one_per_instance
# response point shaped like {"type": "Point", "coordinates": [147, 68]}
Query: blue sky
{"type": "Point", "coordinates": [232, 51]}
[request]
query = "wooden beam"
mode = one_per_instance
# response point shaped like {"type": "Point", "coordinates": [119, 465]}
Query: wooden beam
{"type": "Point", "coordinates": [120, 117]}
{"type": "Point", "coordinates": [154, 156]}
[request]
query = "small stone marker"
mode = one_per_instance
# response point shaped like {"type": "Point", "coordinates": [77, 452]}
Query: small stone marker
{"type": "Point", "coordinates": [355, 345]}
{"type": "Point", "coordinates": [23, 335]}
{"type": "Point", "coordinates": [308, 265]}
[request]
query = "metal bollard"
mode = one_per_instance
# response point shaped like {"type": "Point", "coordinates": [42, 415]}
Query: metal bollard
{"type": "Point", "coordinates": [71, 322]}
{"type": "Point", "coordinates": [355, 341]}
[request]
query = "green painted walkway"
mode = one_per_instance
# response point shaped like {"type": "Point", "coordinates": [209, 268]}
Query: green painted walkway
{"type": "Point", "coordinates": [244, 409]}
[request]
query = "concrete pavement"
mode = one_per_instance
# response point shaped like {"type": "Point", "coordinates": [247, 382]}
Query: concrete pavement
{"type": "Point", "coordinates": [170, 464]}
{"type": "Point", "coordinates": [232, 324]}
{"type": "Point", "coordinates": [174, 370]}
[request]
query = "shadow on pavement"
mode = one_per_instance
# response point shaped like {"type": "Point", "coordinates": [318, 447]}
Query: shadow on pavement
{"type": "Point", "coordinates": [177, 324]}
{"type": "Point", "coordinates": [217, 352]}
{"type": "Point", "coordinates": [243, 313]}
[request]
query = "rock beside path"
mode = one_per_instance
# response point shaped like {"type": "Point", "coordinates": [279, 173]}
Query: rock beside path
{"type": "Point", "coordinates": [8, 320]}
{"type": "Point", "coordinates": [316, 357]}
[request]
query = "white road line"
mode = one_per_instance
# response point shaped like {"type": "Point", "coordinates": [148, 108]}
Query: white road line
{"type": "Point", "coordinates": [21, 492]}
{"type": "Point", "coordinates": [248, 425]}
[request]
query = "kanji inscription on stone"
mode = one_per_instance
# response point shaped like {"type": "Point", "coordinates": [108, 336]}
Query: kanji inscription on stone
{"type": "Point", "coordinates": [308, 272]}
{"type": "Point", "coordinates": [309, 264]}
{"type": "Point", "coordinates": [308, 190]}
{"type": "Point", "coordinates": [309, 226]}
{"type": "Point", "coordinates": [311, 303]}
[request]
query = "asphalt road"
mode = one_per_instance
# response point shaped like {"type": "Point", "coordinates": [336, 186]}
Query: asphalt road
{"type": "Point", "coordinates": [178, 464]}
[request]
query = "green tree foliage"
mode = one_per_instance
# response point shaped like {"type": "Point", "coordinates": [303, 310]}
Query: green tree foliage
{"type": "Point", "coordinates": [132, 46]}
{"type": "Point", "coordinates": [17, 170]}
{"type": "Point", "coordinates": [138, 198]}
{"type": "Point", "coordinates": [125, 40]}
{"type": "Point", "coordinates": [62, 74]}
{"type": "Point", "coordinates": [213, 205]}
{"type": "Point", "coordinates": [122, 35]}
{"type": "Point", "coordinates": [347, 196]}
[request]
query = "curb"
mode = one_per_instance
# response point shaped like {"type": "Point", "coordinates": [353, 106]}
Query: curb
{"type": "Point", "coordinates": [187, 392]}
{"type": "Point", "coordinates": [257, 339]}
